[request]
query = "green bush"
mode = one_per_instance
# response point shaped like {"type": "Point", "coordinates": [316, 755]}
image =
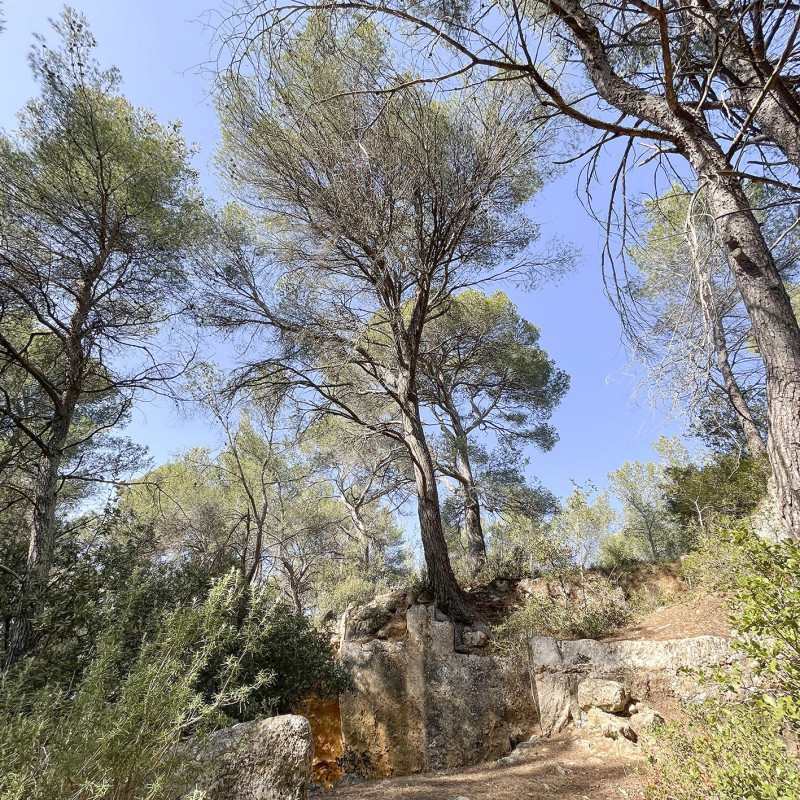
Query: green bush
{"type": "Point", "coordinates": [591, 618]}
{"type": "Point", "coordinates": [723, 752]}
{"type": "Point", "coordinates": [273, 639]}
{"type": "Point", "coordinates": [736, 750]}
{"type": "Point", "coordinates": [718, 563]}
{"type": "Point", "coordinates": [115, 735]}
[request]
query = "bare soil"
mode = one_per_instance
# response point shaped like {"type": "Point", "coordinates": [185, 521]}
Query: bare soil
{"type": "Point", "coordinates": [567, 768]}
{"type": "Point", "coordinates": [703, 614]}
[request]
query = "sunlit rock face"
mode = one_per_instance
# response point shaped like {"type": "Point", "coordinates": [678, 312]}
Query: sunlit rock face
{"type": "Point", "coordinates": [572, 676]}
{"type": "Point", "coordinates": [269, 759]}
{"type": "Point", "coordinates": [419, 706]}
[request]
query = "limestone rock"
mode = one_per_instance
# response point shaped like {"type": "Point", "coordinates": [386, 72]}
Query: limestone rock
{"type": "Point", "coordinates": [647, 668]}
{"type": "Point", "coordinates": [643, 718]}
{"type": "Point", "coordinates": [349, 779]}
{"type": "Point", "coordinates": [610, 725]}
{"type": "Point", "coordinates": [269, 759]}
{"type": "Point", "coordinates": [420, 706]}
{"type": "Point", "coordinates": [475, 638]}
{"type": "Point", "coordinates": [606, 695]}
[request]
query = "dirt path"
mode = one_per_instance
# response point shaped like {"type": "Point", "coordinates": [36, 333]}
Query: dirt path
{"type": "Point", "coordinates": [566, 768]}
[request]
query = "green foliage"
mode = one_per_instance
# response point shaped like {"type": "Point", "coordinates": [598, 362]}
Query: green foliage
{"type": "Point", "coordinates": [649, 531]}
{"type": "Point", "coordinates": [520, 545]}
{"type": "Point", "coordinates": [273, 639]}
{"type": "Point", "coordinates": [113, 731]}
{"type": "Point", "coordinates": [483, 366]}
{"type": "Point", "coordinates": [115, 734]}
{"type": "Point", "coordinates": [717, 563]}
{"type": "Point", "coordinates": [584, 520]}
{"type": "Point", "coordinates": [723, 753]}
{"type": "Point", "coordinates": [591, 616]}
{"type": "Point", "coordinates": [732, 484]}
{"type": "Point", "coordinates": [736, 750]}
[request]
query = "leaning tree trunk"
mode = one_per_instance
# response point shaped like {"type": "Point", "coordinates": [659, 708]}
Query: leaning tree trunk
{"type": "Point", "coordinates": [473, 530]}
{"type": "Point", "coordinates": [772, 318]}
{"type": "Point", "coordinates": [42, 543]}
{"type": "Point", "coordinates": [446, 591]}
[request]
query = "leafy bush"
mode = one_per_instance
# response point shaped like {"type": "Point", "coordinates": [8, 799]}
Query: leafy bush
{"type": "Point", "coordinates": [275, 640]}
{"type": "Point", "coordinates": [736, 750]}
{"type": "Point", "coordinates": [717, 564]}
{"type": "Point", "coordinates": [115, 735]}
{"type": "Point", "coordinates": [723, 753]}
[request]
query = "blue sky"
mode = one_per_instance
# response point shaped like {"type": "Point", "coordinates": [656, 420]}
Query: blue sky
{"type": "Point", "coordinates": [158, 47]}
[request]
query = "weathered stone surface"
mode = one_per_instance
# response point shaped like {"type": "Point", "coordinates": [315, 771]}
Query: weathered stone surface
{"type": "Point", "coordinates": [269, 759]}
{"type": "Point", "coordinates": [643, 718]}
{"type": "Point", "coordinates": [610, 725]}
{"type": "Point", "coordinates": [349, 779]}
{"type": "Point", "coordinates": [603, 694]}
{"type": "Point", "coordinates": [419, 706]}
{"type": "Point", "coordinates": [646, 668]}
{"type": "Point", "coordinates": [475, 639]}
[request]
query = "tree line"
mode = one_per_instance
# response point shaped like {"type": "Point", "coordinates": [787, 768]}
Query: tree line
{"type": "Point", "coordinates": [376, 205]}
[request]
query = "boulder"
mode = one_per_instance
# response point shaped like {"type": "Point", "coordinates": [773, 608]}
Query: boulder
{"type": "Point", "coordinates": [475, 638]}
{"type": "Point", "coordinates": [606, 695]}
{"type": "Point", "coordinates": [609, 725]}
{"type": "Point", "coordinates": [643, 718]}
{"type": "Point", "coordinates": [269, 759]}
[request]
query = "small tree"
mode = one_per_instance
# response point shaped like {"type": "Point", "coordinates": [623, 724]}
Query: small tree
{"type": "Point", "coordinates": [97, 211]}
{"type": "Point", "coordinates": [584, 520]}
{"type": "Point", "coordinates": [649, 527]}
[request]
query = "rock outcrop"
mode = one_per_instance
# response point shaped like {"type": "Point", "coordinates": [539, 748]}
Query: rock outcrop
{"type": "Point", "coordinates": [641, 670]}
{"type": "Point", "coordinates": [611, 696]}
{"type": "Point", "coordinates": [420, 706]}
{"type": "Point", "coordinates": [269, 759]}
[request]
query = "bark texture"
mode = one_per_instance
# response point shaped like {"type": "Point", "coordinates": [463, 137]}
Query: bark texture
{"type": "Point", "coordinates": [775, 328]}
{"type": "Point", "coordinates": [447, 592]}
{"type": "Point", "coordinates": [473, 530]}
{"type": "Point", "coordinates": [42, 543]}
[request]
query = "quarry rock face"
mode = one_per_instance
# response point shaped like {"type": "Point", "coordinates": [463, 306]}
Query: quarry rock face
{"type": "Point", "coordinates": [268, 759]}
{"type": "Point", "coordinates": [574, 676]}
{"type": "Point", "coordinates": [419, 706]}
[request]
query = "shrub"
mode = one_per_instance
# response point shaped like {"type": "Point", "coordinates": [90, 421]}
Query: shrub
{"type": "Point", "coordinates": [115, 735]}
{"type": "Point", "coordinates": [587, 618]}
{"type": "Point", "coordinates": [723, 753]}
{"type": "Point", "coordinates": [718, 563]}
{"type": "Point", "coordinates": [736, 750]}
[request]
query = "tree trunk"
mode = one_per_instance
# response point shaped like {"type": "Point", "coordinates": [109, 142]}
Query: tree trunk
{"type": "Point", "coordinates": [446, 591]}
{"type": "Point", "coordinates": [476, 544]}
{"type": "Point", "coordinates": [42, 543]}
{"type": "Point", "coordinates": [752, 435]}
{"type": "Point", "coordinates": [772, 318]}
